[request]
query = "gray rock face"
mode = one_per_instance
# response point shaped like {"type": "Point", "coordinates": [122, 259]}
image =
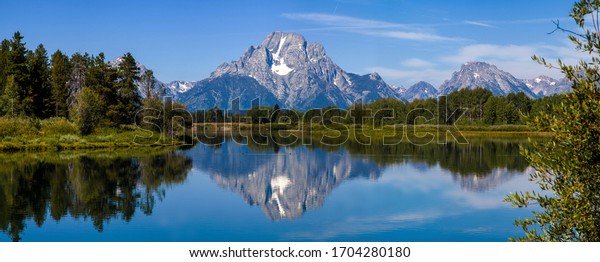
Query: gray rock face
{"type": "Point", "coordinates": [479, 74]}
{"type": "Point", "coordinates": [420, 90]}
{"type": "Point", "coordinates": [547, 86]}
{"type": "Point", "coordinates": [221, 91]}
{"type": "Point", "coordinates": [301, 75]}
{"type": "Point", "coordinates": [368, 88]}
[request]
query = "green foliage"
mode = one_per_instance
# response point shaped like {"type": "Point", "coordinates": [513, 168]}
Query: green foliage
{"type": "Point", "coordinates": [568, 166]}
{"type": "Point", "coordinates": [10, 99]}
{"type": "Point", "coordinates": [471, 102]}
{"type": "Point", "coordinates": [59, 78]}
{"type": "Point", "coordinates": [87, 110]}
{"type": "Point", "coordinates": [39, 78]}
{"type": "Point", "coordinates": [388, 111]}
{"type": "Point", "coordinates": [499, 110]}
{"type": "Point", "coordinates": [147, 84]}
{"type": "Point", "coordinates": [58, 125]}
{"type": "Point", "coordinates": [127, 102]}
{"type": "Point", "coordinates": [17, 127]}
{"type": "Point", "coordinates": [258, 115]}
{"type": "Point", "coordinates": [521, 102]}
{"type": "Point", "coordinates": [4, 53]}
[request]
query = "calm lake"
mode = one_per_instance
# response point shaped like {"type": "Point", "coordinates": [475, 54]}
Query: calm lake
{"type": "Point", "coordinates": [235, 192]}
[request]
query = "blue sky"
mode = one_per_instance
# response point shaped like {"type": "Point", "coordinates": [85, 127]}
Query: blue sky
{"type": "Point", "coordinates": [404, 41]}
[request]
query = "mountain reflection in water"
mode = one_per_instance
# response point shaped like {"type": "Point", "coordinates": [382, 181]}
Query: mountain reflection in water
{"type": "Point", "coordinates": [286, 181]}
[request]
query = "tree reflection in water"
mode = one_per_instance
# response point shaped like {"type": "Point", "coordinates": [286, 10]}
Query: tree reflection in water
{"type": "Point", "coordinates": [98, 187]}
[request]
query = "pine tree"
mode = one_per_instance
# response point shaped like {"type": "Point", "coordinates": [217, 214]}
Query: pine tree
{"type": "Point", "coordinates": [17, 67]}
{"type": "Point", "coordinates": [147, 83]}
{"type": "Point", "coordinates": [128, 102]}
{"type": "Point", "coordinates": [60, 77]}
{"type": "Point", "coordinates": [4, 52]}
{"type": "Point", "coordinates": [39, 78]}
{"type": "Point", "coordinates": [101, 79]}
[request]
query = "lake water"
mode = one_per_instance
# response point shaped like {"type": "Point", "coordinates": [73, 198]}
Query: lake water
{"type": "Point", "coordinates": [235, 192]}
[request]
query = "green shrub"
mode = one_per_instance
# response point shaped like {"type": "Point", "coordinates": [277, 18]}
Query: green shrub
{"type": "Point", "coordinates": [17, 126]}
{"type": "Point", "coordinates": [58, 125]}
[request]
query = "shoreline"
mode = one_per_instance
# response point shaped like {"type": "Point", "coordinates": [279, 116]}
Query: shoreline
{"type": "Point", "coordinates": [110, 138]}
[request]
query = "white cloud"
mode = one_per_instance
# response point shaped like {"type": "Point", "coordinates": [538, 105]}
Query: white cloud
{"type": "Point", "coordinates": [418, 36]}
{"type": "Point", "coordinates": [486, 51]}
{"type": "Point", "coordinates": [342, 21]}
{"type": "Point", "coordinates": [514, 59]}
{"type": "Point", "coordinates": [479, 24]}
{"type": "Point", "coordinates": [416, 62]}
{"type": "Point", "coordinates": [371, 27]}
{"type": "Point", "coordinates": [409, 77]}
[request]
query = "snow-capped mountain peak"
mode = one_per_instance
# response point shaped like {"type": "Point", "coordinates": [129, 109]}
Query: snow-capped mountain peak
{"type": "Point", "coordinates": [298, 74]}
{"type": "Point", "coordinates": [420, 90]}
{"type": "Point", "coordinates": [483, 75]}
{"type": "Point", "coordinates": [545, 85]}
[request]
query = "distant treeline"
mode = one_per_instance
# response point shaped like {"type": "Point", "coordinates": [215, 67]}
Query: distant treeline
{"type": "Point", "coordinates": [466, 106]}
{"type": "Point", "coordinates": [82, 87]}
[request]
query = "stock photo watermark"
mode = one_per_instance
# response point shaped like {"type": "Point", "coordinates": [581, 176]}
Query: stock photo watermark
{"type": "Point", "coordinates": [330, 126]}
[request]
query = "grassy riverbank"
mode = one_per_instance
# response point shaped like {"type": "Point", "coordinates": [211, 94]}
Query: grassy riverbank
{"type": "Point", "coordinates": [395, 133]}
{"type": "Point", "coordinates": [54, 134]}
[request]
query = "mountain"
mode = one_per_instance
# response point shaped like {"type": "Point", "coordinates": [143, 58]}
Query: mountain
{"type": "Point", "coordinates": [296, 73]}
{"type": "Point", "coordinates": [223, 90]}
{"type": "Point", "coordinates": [480, 74]}
{"type": "Point", "coordinates": [420, 90]}
{"type": "Point", "coordinates": [547, 86]}
{"type": "Point", "coordinates": [175, 88]}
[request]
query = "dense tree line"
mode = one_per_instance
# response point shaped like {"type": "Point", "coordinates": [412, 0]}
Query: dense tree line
{"type": "Point", "coordinates": [465, 106]}
{"type": "Point", "coordinates": [80, 87]}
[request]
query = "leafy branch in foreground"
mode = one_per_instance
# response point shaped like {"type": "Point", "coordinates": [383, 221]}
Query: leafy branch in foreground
{"type": "Point", "coordinates": [568, 166]}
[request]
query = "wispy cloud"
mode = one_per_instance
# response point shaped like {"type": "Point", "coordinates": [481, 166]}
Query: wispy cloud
{"type": "Point", "coordinates": [515, 59]}
{"type": "Point", "coordinates": [370, 27]}
{"type": "Point", "coordinates": [478, 52]}
{"type": "Point", "coordinates": [416, 63]}
{"type": "Point", "coordinates": [409, 76]}
{"type": "Point", "coordinates": [476, 23]}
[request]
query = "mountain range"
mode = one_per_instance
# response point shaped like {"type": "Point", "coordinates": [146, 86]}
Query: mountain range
{"type": "Point", "coordinates": [287, 70]}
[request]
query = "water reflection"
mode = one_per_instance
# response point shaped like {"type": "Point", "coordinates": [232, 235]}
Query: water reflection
{"type": "Point", "coordinates": [284, 183]}
{"type": "Point", "coordinates": [287, 181]}
{"type": "Point", "coordinates": [99, 187]}
{"type": "Point", "coordinates": [353, 192]}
